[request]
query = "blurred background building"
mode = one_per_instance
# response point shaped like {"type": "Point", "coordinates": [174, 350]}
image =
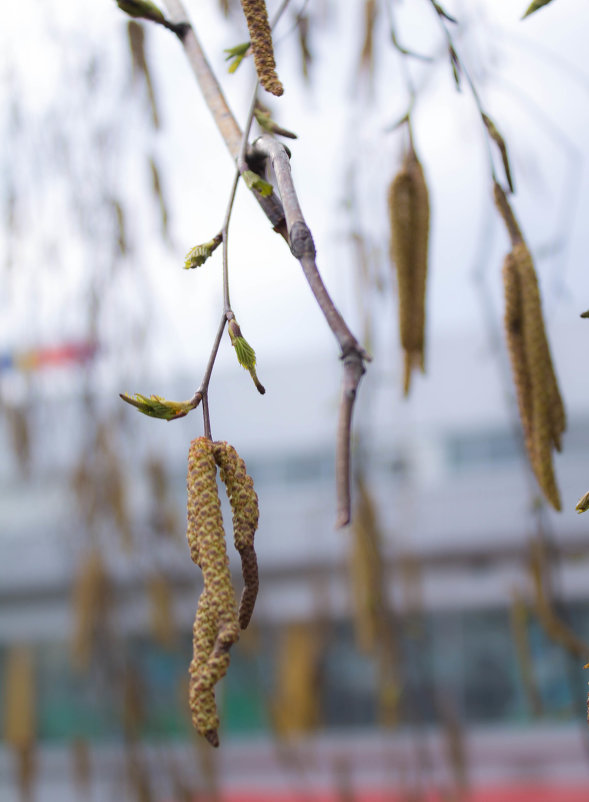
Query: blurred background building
{"type": "Point", "coordinates": [470, 688]}
{"type": "Point", "coordinates": [435, 649]}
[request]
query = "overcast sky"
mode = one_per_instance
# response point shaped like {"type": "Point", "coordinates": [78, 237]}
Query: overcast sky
{"type": "Point", "coordinates": [538, 100]}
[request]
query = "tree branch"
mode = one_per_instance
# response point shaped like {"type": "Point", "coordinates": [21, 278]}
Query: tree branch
{"type": "Point", "coordinates": [352, 354]}
{"type": "Point", "coordinates": [287, 219]}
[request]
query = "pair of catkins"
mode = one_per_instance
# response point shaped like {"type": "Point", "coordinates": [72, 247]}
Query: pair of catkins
{"type": "Point", "coordinates": [218, 620]}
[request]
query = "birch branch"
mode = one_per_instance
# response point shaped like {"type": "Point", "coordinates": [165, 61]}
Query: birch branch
{"type": "Point", "coordinates": [287, 219]}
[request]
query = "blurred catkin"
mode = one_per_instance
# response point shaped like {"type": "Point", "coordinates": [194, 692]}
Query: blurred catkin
{"type": "Point", "coordinates": [408, 201]}
{"type": "Point", "coordinates": [160, 596]}
{"type": "Point", "coordinates": [540, 404]}
{"type": "Point", "coordinates": [89, 601]}
{"type": "Point", "coordinates": [256, 16]}
{"type": "Point", "coordinates": [216, 626]}
{"type": "Point", "coordinates": [19, 697]}
{"type": "Point", "coordinates": [295, 706]}
{"type": "Point", "coordinates": [366, 569]}
{"type": "Point", "coordinates": [367, 52]}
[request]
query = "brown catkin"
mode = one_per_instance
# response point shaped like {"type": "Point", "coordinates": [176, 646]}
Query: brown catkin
{"type": "Point", "coordinates": [244, 504]}
{"type": "Point", "coordinates": [547, 410]}
{"type": "Point", "coordinates": [216, 626]}
{"type": "Point", "coordinates": [408, 201]}
{"type": "Point", "coordinates": [540, 404]}
{"type": "Point", "coordinates": [256, 16]}
{"type": "Point", "coordinates": [515, 345]}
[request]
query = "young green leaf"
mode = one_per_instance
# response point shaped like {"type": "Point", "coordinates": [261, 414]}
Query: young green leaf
{"type": "Point", "coordinates": [142, 9]}
{"type": "Point", "coordinates": [535, 6]}
{"type": "Point", "coordinates": [236, 55]}
{"type": "Point", "coordinates": [157, 407]}
{"type": "Point", "coordinates": [254, 181]}
{"type": "Point", "coordinates": [246, 356]}
{"type": "Point", "coordinates": [198, 255]}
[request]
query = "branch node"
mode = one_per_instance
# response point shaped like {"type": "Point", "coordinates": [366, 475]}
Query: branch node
{"type": "Point", "coordinates": [301, 240]}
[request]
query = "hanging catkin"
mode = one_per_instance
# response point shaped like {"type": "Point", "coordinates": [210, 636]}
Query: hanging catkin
{"type": "Point", "coordinates": [295, 706]}
{"type": "Point", "coordinates": [256, 16]}
{"type": "Point", "coordinates": [19, 697]}
{"type": "Point", "coordinates": [244, 504]}
{"type": "Point", "coordinates": [216, 627]}
{"type": "Point", "coordinates": [409, 223]}
{"type": "Point", "coordinates": [540, 404]}
{"type": "Point", "coordinates": [89, 602]}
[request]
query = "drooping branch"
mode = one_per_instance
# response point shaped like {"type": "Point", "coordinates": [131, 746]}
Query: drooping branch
{"type": "Point", "coordinates": [352, 354]}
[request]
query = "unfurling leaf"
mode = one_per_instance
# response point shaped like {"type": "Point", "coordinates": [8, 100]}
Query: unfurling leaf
{"type": "Point", "coordinates": [157, 407]}
{"type": "Point", "coordinates": [535, 6]}
{"type": "Point", "coordinates": [254, 181]}
{"type": "Point", "coordinates": [583, 503]}
{"type": "Point", "coordinates": [246, 356]}
{"type": "Point", "coordinates": [198, 255]}
{"type": "Point", "coordinates": [236, 55]}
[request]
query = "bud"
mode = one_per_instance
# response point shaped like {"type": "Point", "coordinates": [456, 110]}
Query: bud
{"type": "Point", "coordinates": [142, 9]}
{"type": "Point", "coordinates": [198, 255]}
{"type": "Point", "coordinates": [246, 356]}
{"type": "Point", "coordinates": [157, 407]}
{"type": "Point", "coordinates": [266, 122]}
{"type": "Point", "coordinates": [583, 506]}
{"type": "Point", "coordinates": [255, 182]}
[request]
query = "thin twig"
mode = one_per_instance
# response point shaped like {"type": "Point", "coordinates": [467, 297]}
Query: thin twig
{"type": "Point", "coordinates": [225, 235]}
{"type": "Point", "coordinates": [204, 385]}
{"type": "Point", "coordinates": [202, 392]}
{"type": "Point", "coordinates": [240, 169]}
{"type": "Point", "coordinates": [442, 17]}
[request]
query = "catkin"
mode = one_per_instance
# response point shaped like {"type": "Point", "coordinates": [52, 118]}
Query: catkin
{"type": "Point", "coordinates": [19, 697]}
{"type": "Point", "coordinates": [216, 627]}
{"type": "Point", "coordinates": [161, 610]}
{"type": "Point", "coordinates": [244, 504]}
{"type": "Point", "coordinates": [515, 345]}
{"type": "Point", "coordinates": [540, 404]}
{"type": "Point", "coordinates": [256, 16]}
{"type": "Point", "coordinates": [295, 705]}
{"type": "Point", "coordinates": [366, 561]}
{"type": "Point", "coordinates": [408, 202]}
{"type": "Point", "coordinates": [89, 601]}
